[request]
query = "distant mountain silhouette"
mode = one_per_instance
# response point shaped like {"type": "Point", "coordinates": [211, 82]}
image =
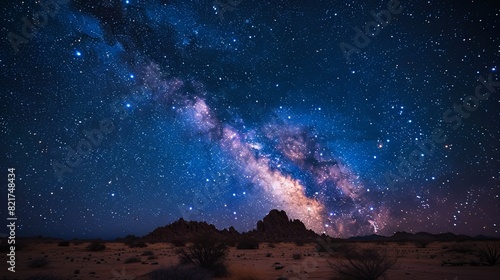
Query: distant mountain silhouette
{"type": "Point", "coordinates": [182, 230]}
{"type": "Point", "coordinates": [275, 226]}
{"type": "Point", "coordinates": [406, 236]}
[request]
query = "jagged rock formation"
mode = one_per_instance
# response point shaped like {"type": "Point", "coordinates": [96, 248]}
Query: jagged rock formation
{"type": "Point", "coordinates": [182, 230]}
{"type": "Point", "coordinates": [276, 226]}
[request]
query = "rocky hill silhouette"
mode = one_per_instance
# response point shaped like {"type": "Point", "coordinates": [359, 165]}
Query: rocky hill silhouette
{"type": "Point", "coordinates": [183, 230]}
{"type": "Point", "coordinates": [275, 226]}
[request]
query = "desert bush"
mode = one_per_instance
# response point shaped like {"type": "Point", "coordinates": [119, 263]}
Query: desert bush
{"type": "Point", "coordinates": [297, 256]}
{"type": "Point", "coordinates": [271, 245]}
{"type": "Point", "coordinates": [488, 253]}
{"type": "Point", "coordinates": [96, 246]}
{"type": "Point", "coordinates": [248, 243]}
{"type": "Point", "coordinates": [147, 253]}
{"type": "Point", "coordinates": [63, 243]}
{"type": "Point", "coordinates": [38, 262]}
{"type": "Point", "coordinates": [180, 273]}
{"type": "Point", "coordinates": [132, 260]}
{"type": "Point", "coordinates": [363, 264]}
{"type": "Point", "coordinates": [207, 253]}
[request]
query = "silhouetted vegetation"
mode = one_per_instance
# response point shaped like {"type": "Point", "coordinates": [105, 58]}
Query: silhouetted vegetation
{"type": "Point", "coordinates": [297, 256]}
{"type": "Point", "coordinates": [207, 253]}
{"type": "Point", "coordinates": [489, 253]}
{"type": "Point", "coordinates": [147, 253]}
{"type": "Point", "coordinates": [365, 264]}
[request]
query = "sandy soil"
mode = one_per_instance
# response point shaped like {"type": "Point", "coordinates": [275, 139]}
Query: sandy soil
{"type": "Point", "coordinates": [74, 262]}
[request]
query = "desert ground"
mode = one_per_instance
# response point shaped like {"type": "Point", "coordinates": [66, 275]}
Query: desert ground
{"type": "Point", "coordinates": [438, 260]}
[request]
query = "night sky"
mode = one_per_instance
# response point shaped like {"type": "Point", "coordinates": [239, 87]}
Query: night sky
{"type": "Point", "coordinates": [122, 116]}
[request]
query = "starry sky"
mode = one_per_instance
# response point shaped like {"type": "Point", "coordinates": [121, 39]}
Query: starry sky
{"type": "Point", "coordinates": [356, 117]}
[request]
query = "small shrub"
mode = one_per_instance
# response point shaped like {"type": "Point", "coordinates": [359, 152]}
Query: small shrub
{"type": "Point", "coordinates": [366, 264]}
{"type": "Point", "coordinates": [297, 256]}
{"type": "Point", "coordinates": [180, 273]}
{"type": "Point", "coordinates": [132, 260]}
{"type": "Point", "coordinates": [489, 254]}
{"type": "Point", "coordinates": [248, 243]}
{"type": "Point", "coordinates": [153, 257]}
{"type": "Point", "coordinates": [271, 245]}
{"type": "Point", "coordinates": [38, 262]}
{"type": "Point", "coordinates": [268, 255]}
{"type": "Point", "coordinates": [147, 253]}
{"type": "Point", "coordinates": [207, 253]}
{"type": "Point", "coordinates": [96, 246]}
{"type": "Point", "coordinates": [63, 243]}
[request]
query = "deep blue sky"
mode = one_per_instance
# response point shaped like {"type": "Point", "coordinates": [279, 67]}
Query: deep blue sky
{"type": "Point", "coordinates": [222, 115]}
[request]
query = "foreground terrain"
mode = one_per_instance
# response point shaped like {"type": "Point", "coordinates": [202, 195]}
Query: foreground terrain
{"type": "Point", "coordinates": [72, 260]}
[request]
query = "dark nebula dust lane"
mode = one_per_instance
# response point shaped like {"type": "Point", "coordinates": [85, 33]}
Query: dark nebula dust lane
{"type": "Point", "coordinates": [121, 116]}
